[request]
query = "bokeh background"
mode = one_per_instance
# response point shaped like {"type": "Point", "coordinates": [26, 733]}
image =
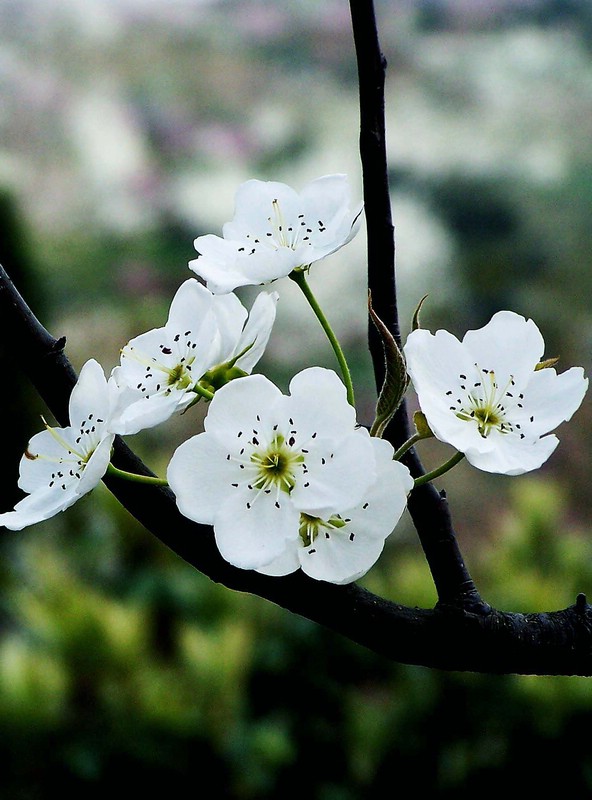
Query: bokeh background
{"type": "Point", "coordinates": [125, 128]}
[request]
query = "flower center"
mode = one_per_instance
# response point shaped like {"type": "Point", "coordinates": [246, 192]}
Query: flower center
{"type": "Point", "coordinates": [158, 374]}
{"type": "Point", "coordinates": [310, 527]}
{"type": "Point", "coordinates": [180, 377]}
{"type": "Point", "coordinates": [276, 465]}
{"type": "Point", "coordinates": [485, 403]}
{"type": "Point", "coordinates": [72, 464]}
{"type": "Point", "coordinates": [281, 233]}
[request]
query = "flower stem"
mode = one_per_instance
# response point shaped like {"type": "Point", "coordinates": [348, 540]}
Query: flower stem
{"type": "Point", "coordinates": [407, 445]}
{"type": "Point", "coordinates": [130, 476]}
{"type": "Point", "coordinates": [435, 473]}
{"type": "Point", "coordinates": [201, 391]}
{"type": "Point", "coordinates": [298, 276]}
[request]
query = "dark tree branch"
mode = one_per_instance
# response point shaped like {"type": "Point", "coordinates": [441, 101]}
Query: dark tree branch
{"type": "Point", "coordinates": [447, 637]}
{"type": "Point", "coordinates": [428, 509]}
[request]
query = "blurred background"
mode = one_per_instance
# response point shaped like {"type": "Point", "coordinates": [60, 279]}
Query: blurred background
{"type": "Point", "coordinates": [125, 128]}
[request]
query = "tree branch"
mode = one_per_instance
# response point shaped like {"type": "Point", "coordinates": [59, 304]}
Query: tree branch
{"type": "Point", "coordinates": [447, 637]}
{"type": "Point", "coordinates": [428, 509]}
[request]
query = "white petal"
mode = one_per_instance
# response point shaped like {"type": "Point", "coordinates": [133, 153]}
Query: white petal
{"type": "Point", "coordinates": [257, 330]}
{"type": "Point", "coordinates": [38, 507]}
{"type": "Point", "coordinates": [231, 316]}
{"type": "Point", "coordinates": [550, 399]}
{"type": "Point", "coordinates": [509, 345]}
{"type": "Point", "coordinates": [89, 394]}
{"type": "Point", "coordinates": [327, 200]}
{"type": "Point", "coordinates": [254, 207]}
{"type": "Point", "coordinates": [339, 560]}
{"type": "Point", "coordinates": [233, 412]}
{"type": "Point", "coordinates": [146, 353]}
{"type": "Point", "coordinates": [252, 537]}
{"type": "Point", "coordinates": [96, 466]}
{"type": "Point", "coordinates": [189, 306]}
{"type": "Point", "coordinates": [337, 476]}
{"type": "Point", "coordinates": [201, 477]}
{"type": "Point", "coordinates": [348, 553]}
{"type": "Point", "coordinates": [286, 563]}
{"type": "Point", "coordinates": [226, 265]}
{"type": "Point", "coordinates": [44, 457]}
{"type": "Point", "coordinates": [386, 499]}
{"type": "Point", "coordinates": [193, 330]}
{"type": "Point", "coordinates": [216, 264]}
{"type": "Point", "coordinates": [148, 411]}
{"type": "Point", "coordinates": [439, 366]}
{"type": "Point", "coordinates": [436, 361]}
{"type": "Point", "coordinates": [318, 400]}
{"type": "Point", "coordinates": [513, 457]}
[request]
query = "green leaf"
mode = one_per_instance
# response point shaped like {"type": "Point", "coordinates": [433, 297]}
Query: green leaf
{"type": "Point", "coordinates": [396, 378]}
{"type": "Point", "coordinates": [422, 426]}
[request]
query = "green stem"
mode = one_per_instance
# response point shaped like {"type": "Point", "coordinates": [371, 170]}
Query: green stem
{"type": "Point", "coordinates": [298, 276]}
{"type": "Point", "coordinates": [130, 476]}
{"type": "Point", "coordinates": [429, 476]}
{"type": "Point", "coordinates": [202, 392]}
{"type": "Point", "coordinates": [407, 445]}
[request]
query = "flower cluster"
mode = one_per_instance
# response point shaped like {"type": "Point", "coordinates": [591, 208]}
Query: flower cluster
{"type": "Point", "coordinates": [293, 481]}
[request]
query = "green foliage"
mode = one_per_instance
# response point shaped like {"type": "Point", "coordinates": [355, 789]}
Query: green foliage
{"type": "Point", "coordinates": [120, 665]}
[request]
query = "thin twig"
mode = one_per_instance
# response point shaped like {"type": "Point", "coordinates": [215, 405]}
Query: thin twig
{"type": "Point", "coordinates": [429, 511]}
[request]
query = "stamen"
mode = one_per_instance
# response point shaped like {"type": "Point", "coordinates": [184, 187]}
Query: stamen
{"type": "Point", "coordinates": [485, 403]}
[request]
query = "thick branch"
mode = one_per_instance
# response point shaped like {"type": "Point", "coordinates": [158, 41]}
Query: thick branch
{"type": "Point", "coordinates": [446, 638]}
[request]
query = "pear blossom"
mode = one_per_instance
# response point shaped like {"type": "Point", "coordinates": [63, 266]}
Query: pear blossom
{"type": "Point", "coordinates": [342, 547]}
{"type": "Point", "coordinates": [276, 230]}
{"type": "Point", "coordinates": [60, 465]}
{"type": "Point", "coordinates": [206, 337]}
{"type": "Point", "coordinates": [487, 395]}
{"type": "Point", "coordinates": [271, 471]}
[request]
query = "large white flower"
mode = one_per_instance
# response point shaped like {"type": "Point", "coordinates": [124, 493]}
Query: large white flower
{"type": "Point", "coordinates": [60, 465]}
{"type": "Point", "coordinates": [485, 396]}
{"type": "Point", "coordinates": [269, 468]}
{"type": "Point", "coordinates": [276, 230]}
{"type": "Point", "coordinates": [159, 369]}
{"type": "Point", "coordinates": [342, 547]}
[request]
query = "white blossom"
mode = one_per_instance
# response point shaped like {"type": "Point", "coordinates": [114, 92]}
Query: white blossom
{"type": "Point", "coordinates": [486, 397]}
{"type": "Point", "coordinates": [342, 547]}
{"type": "Point", "coordinates": [272, 471]}
{"type": "Point", "coordinates": [160, 368]}
{"type": "Point", "coordinates": [276, 230]}
{"type": "Point", "coordinates": [60, 465]}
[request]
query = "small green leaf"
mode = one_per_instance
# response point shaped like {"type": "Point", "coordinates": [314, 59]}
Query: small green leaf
{"type": "Point", "coordinates": [422, 426]}
{"type": "Point", "coordinates": [396, 379]}
{"type": "Point", "coordinates": [415, 321]}
{"type": "Point", "coordinates": [549, 362]}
